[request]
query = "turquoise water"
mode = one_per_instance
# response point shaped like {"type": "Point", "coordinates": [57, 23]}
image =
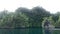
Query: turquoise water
{"type": "Point", "coordinates": [21, 31]}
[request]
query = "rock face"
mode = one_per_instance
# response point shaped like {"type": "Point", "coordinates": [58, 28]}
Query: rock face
{"type": "Point", "coordinates": [51, 27]}
{"type": "Point", "coordinates": [48, 27]}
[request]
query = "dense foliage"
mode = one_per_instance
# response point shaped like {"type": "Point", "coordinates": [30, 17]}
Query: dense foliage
{"type": "Point", "coordinates": [23, 17]}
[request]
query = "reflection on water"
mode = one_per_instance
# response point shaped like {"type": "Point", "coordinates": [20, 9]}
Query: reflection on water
{"type": "Point", "coordinates": [55, 31]}
{"type": "Point", "coordinates": [21, 31]}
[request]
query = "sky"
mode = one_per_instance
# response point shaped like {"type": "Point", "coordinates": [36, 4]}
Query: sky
{"type": "Point", "coordinates": [11, 5]}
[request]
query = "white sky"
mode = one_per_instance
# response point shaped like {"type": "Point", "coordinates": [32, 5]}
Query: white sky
{"type": "Point", "coordinates": [51, 5]}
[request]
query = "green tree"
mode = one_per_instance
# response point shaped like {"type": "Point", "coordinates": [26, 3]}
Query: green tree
{"type": "Point", "coordinates": [51, 20]}
{"type": "Point", "coordinates": [57, 24]}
